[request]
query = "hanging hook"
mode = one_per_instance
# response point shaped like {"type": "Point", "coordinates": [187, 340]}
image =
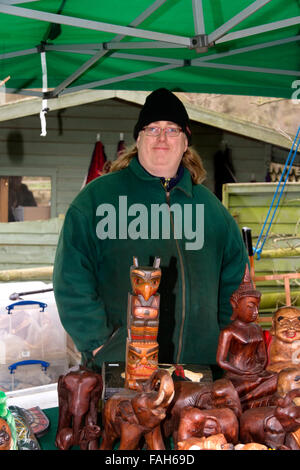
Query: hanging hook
{"type": "Point", "coordinates": [98, 137]}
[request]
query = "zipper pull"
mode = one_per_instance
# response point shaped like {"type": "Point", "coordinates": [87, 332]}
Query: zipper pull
{"type": "Point", "coordinates": [166, 183]}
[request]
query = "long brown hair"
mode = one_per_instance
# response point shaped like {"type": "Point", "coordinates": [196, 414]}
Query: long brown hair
{"type": "Point", "coordinates": [191, 160]}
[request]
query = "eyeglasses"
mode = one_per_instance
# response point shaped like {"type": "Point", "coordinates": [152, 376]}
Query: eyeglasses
{"type": "Point", "coordinates": [155, 131]}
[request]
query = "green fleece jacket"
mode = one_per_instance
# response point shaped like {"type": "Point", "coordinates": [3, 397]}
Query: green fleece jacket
{"type": "Point", "coordinates": [202, 255]}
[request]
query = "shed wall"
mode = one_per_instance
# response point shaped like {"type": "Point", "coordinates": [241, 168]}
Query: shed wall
{"type": "Point", "coordinates": [65, 154]}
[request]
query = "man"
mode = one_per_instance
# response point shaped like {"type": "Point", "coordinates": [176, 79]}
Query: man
{"type": "Point", "coordinates": [150, 204]}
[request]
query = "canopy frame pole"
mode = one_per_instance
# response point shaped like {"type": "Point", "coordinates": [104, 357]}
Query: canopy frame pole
{"type": "Point", "coordinates": [127, 76]}
{"type": "Point", "coordinates": [198, 17]}
{"type": "Point", "coordinates": [265, 28]}
{"type": "Point", "coordinates": [111, 45]}
{"type": "Point", "coordinates": [241, 50]}
{"type": "Point", "coordinates": [15, 2]}
{"type": "Point", "coordinates": [222, 30]}
{"type": "Point", "coordinates": [10, 55]}
{"type": "Point", "coordinates": [244, 68]}
{"type": "Point", "coordinates": [93, 25]}
{"type": "Point", "coordinates": [200, 40]}
{"type": "Point", "coordinates": [102, 53]}
{"type": "Point", "coordinates": [147, 58]}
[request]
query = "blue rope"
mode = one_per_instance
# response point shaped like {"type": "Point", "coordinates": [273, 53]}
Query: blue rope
{"type": "Point", "coordinates": [289, 161]}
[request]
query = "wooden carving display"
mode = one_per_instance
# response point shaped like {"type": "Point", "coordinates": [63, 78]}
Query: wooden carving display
{"type": "Point", "coordinates": [284, 349]}
{"type": "Point", "coordinates": [142, 323]}
{"type": "Point", "coordinates": [132, 414]}
{"type": "Point", "coordinates": [206, 396]}
{"type": "Point", "coordinates": [79, 392]}
{"type": "Point", "coordinates": [241, 349]}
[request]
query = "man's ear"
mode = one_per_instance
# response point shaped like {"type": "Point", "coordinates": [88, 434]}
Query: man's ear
{"type": "Point", "coordinates": [186, 144]}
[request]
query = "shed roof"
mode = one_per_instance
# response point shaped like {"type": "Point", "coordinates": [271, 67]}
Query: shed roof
{"type": "Point", "coordinates": [32, 105]}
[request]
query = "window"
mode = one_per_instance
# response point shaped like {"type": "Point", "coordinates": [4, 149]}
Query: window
{"type": "Point", "coordinates": [24, 198]}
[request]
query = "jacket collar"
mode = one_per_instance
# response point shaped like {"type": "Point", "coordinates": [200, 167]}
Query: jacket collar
{"type": "Point", "coordinates": [185, 184]}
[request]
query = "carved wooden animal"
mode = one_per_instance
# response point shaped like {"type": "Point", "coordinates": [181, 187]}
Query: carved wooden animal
{"type": "Point", "coordinates": [79, 392]}
{"type": "Point", "coordinates": [131, 415]}
{"type": "Point", "coordinates": [218, 394]}
{"type": "Point", "coordinates": [204, 423]}
{"type": "Point", "coordinates": [273, 426]}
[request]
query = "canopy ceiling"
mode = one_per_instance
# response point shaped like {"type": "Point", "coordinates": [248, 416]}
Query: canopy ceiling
{"type": "Point", "coordinates": [205, 46]}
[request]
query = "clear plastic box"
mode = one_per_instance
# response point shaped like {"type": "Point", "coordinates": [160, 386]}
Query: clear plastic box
{"type": "Point", "coordinates": [33, 349]}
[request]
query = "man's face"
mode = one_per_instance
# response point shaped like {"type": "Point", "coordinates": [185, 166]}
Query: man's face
{"type": "Point", "coordinates": [161, 155]}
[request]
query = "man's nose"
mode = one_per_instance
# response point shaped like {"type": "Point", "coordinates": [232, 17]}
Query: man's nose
{"type": "Point", "coordinates": [162, 135]}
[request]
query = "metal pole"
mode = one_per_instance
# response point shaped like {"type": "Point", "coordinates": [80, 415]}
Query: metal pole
{"type": "Point", "coordinates": [222, 30]}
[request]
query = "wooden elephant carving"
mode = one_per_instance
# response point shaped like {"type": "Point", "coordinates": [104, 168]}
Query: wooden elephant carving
{"type": "Point", "coordinates": [194, 422]}
{"type": "Point", "coordinates": [79, 392]}
{"type": "Point", "coordinates": [131, 415]}
{"type": "Point", "coordinates": [218, 394]}
{"type": "Point", "coordinates": [274, 426]}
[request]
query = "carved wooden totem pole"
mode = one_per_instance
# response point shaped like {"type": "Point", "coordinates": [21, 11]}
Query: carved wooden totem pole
{"type": "Point", "coordinates": [142, 323]}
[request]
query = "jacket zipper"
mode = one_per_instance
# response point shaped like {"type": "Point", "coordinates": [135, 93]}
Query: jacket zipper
{"type": "Point", "coordinates": [183, 284]}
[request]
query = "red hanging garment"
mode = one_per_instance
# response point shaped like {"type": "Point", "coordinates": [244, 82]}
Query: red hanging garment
{"type": "Point", "coordinates": [97, 162]}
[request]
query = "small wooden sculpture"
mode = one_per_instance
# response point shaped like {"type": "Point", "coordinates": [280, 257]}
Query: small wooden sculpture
{"type": "Point", "coordinates": [132, 414]}
{"type": "Point", "coordinates": [250, 446]}
{"type": "Point", "coordinates": [273, 426]}
{"type": "Point", "coordinates": [79, 392]}
{"type": "Point", "coordinates": [142, 323]}
{"type": "Point", "coordinates": [289, 379]}
{"type": "Point", "coordinates": [215, 442]}
{"type": "Point", "coordinates": [204, 423]}
{"type": "Point", "coordinates": [218, 394]}
{"type": "Point", "coordinates": [6, 442]}
{"type": "Point", "coordinates": [284, 348]}
{"type": "Point", "coordinates": [241, 348]}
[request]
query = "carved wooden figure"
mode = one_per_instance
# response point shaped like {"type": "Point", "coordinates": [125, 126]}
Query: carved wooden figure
{"type": "Point", "coordinates": [241, 349]}
{"type": "Point", "coordinates": [289, 379]}
{"type": "Point", "coordinates": [218, 394]}
{"type": "Point", "coordinates": [79, 392]}
{"type": "Point", "coordinates": [131, 414]}
{"type": "Point", "coordinates": [194, 422]}
{"type": "Point", "coordinates": [273, 426]}
{"type": "Point", "coordinates": [215, 442]}
{"type": "Point", "coordinates": [142, 361]}
{"type": "Point", "coordinates": [142, 323]}
{"type": "Point", "coordinates": [143, 303]}
{"type": "Point", "coordinates": [251, 446]}
{"type": "Point", "coordinates": [284, 348]}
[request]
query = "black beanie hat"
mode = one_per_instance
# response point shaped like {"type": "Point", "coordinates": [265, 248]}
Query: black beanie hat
{"type": "Point", "coordinates": [163, 105]}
